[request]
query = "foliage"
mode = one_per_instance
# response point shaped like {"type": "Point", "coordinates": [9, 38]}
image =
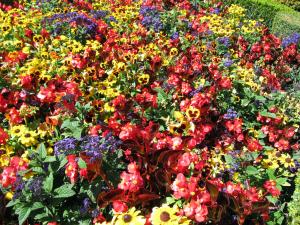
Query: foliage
{"type": "Point", "coordinates": [147, 112]}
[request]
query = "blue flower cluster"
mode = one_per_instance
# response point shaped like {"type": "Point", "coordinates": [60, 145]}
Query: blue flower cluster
{"type": "Point", "coordinates": [95, 146]}
{"type": "Point", "coordinates": [230, 114]}
{"type": "Point", "coordinates": [224, 41]}
{"type": "Point", "coordinates": [151, 18]}
{"type": "Point", "coordinates": [292, 39]}
{"type": "Point", "coordinates": [60, 19]}
{"type": "Point", "coordinates": [64, 146]}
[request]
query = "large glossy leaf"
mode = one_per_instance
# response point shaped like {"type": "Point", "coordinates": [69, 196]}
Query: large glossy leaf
{"type": "Point", "coordinates": [105, 198]}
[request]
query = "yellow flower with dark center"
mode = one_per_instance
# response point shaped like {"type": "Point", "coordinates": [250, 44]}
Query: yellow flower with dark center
{"type": "Point", "coordinates": [131, 217]}
{"type": "Point", "coordinates": [179, 128]}
{"type": "Point", "coordinates": [165, 215]}
{"type": "Point", "coordinates": [17, 131]}
{"type": "Point", "coordinates": [270, 163]}
{"type": "Point", "coordinates": [193, 113]}
{"type": "Point", "coordinates": [174, 52]}
{"type": "Point", "coordinates": [5, 28]}
{"type": "Point", "coordinates": [286, 160]}
{"type": "Point", "coordinates": [38, 38]}
{"type": "Point", "coordinates": [108, 107]}
{"type": "Point", "coordinates": [28, 138]}
{"type": "Point", "coordinates": [144, 79]}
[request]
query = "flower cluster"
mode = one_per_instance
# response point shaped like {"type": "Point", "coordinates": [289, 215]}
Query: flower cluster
{"type": "Point", "coordinates": [145, 112]}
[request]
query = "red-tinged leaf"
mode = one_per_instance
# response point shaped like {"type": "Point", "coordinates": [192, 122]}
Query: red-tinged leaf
{"type": "Point", "coordinates": [213, 191]}
{"type": "Point", "coordinates": [163, 178]}
{"type": "Point", "coordinates": [234, 205]}
{"type": "Point", "coordinates": [215, 213]}
{"type": "Point", "coordinates": [95, 169]}
{"type": "Point", "coordinates": [105, 198]}
{"type": "Point", "coordinates": [147, 197]}
{"type": "Point", "coordinates": [223, 199]}
{"type": "Point", "coordinates": [165, 156]}
{"type": "Point", "coordinates": [259, 207]}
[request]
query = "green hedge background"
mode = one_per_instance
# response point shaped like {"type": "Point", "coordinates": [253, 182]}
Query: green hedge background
{"type": "Point", "coordinates": [282, 19]}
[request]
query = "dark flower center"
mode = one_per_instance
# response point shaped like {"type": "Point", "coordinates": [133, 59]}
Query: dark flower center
{"type": "Point", "coordinates": [288, 160]}
{"type": "Point", "coordinates": [127, 218]}
{"type": "Point", "coordinates": [17, 131]}
{"type": "Point", "coordinates": [27, 135]}
{"type": "Point", "coordinates": [164, 216]}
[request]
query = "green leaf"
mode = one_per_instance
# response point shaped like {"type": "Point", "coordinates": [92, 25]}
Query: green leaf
{"type": "Point", "coordinates": [271, 174]}
{"type": "Point", "coordinates": [280, 181]}
{"type": "Point", "coordinates": [245, 102]}
{"type": "Point", "coordinates": [12, 203]}
{"type": "Point", "coordinates": [63, 161]}
{"type": "Point", "coordinates": [50, 159]}
{"type": "Point", "coordinates": [272, 199]}
{"type": "Point", "coordinates": [261, 134]}
{"type": "Point", "coordinates": [85, 222]}
{"type": "Point", "coordinates": [251, 170]}
{"type": "Point", "coordinates": [170, 200]}
{"type": "Point", "coordinates": [23, 214]}
{"type": "Point", "coordinates": [229, 159]}
{"type": "Point", "coordinates": [64, 191]}
{"type": "Point", "coordinates": [81, 163]}
{"type": "Point", "coordinates": [37, 205]}
{"type": "Point", "coordinates": [42, 151]}
{"type": "Point", "coordinates": [260, 98]}
{"type": "Point", "coordinates": [268, 114]}
{"type": "Point", "coordinates": [48, 183]}
{"type": "Point", "coordinates": [38, 170]}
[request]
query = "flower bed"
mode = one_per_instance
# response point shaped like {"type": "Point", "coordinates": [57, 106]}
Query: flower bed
{"type": "Point", "coordinates": [145, 112]}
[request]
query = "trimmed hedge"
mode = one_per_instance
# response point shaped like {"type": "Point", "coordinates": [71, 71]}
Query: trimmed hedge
{"type": "Point", "coordinates": [282, 19]}
{"type": "Point", "coordinates": [294, 205]}
{"type": "Point", "coordinates": [295, 4]}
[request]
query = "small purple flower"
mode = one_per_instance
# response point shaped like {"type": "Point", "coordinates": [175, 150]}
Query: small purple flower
{"type": "Point", "coordinates": [175, 36]}
{"type": "Point", "coordinates": [231, 114]}
{"type": "Point", "coordinates": [151, 18]}
{"type": "Point", "coordinates": [85, 206]}
{"type": "Point", "coordinates": [224, 41]}
{"type": "Point", "coordinates": [216, 11]}
{"type": "Point", "coordinates": [95, 213]}
{"type": "Point", "coordinates": [35, 186]}
{"type": "Point", "coordinates": [196, 91]}
{"type": "Point", "coordinates": [292, 39]}
{"type": "Point", "coordinates": [64, 146]}
{"type": "Point", "coordinates": [228, 62]}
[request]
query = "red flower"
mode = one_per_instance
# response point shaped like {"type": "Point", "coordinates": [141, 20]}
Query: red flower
{"type": "Point", "coordinates": [254, 145]}
{"type": "Point", "coordinates": [14, 116]}
{"type": "Point", "coordinates": [3, 136]}
{"type": "Point", "coordinates": [129, 132]}
{"type": "Point", "coordinates": [8, 177]}
{"type": "Point", "coordinates": [52, 223]}
{"type": "Point", "coordinates": [72, 168]}
{"type": "Point", "coordinates": [120, 206]}
{"type": "Point", "coordinates": [131, 181]}
{"type": "Point", "coordinates": [270, 186]}
{"type": "Point", "coordinates": [282, 144]}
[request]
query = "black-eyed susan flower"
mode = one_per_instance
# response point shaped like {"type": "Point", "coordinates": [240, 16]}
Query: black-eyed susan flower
{"type": "Point", "coordinates": [164, 215]}
{"type": "Point", "coordinates": [28, 138]}
{"type": "Point", "coordinates": [286, 160]}
{"type": "Point", "coordinates": [17, 131]}
{"type": "Point", "coordinates": [131, 217]}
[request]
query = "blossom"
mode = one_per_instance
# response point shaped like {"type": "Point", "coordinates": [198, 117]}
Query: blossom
{"type": "Point", "coordinates": [131, 181]}
{"type": "Point", "coordinates": [131, 217]}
